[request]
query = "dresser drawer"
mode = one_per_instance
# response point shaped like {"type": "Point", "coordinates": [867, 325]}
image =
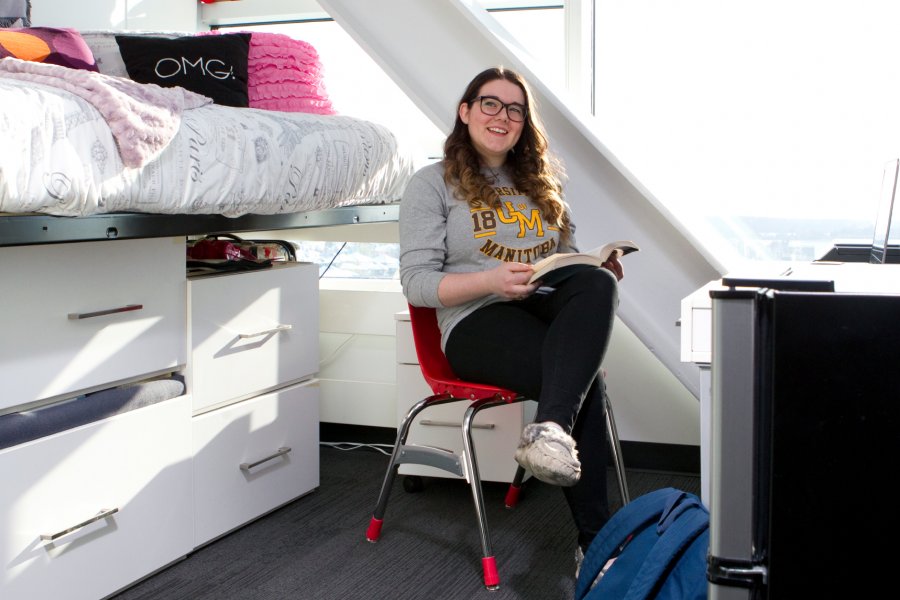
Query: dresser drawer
{"type": "Point", "coordinates": [495, 431]}
{"type": "Point", "coordinates": [254, 456]}
{"type": "Point", "coordinates": [134, 468]}
{"type": "Point", "coordinates": [87, 315]}
{"type": "Point", "coordinates": [252, 332]}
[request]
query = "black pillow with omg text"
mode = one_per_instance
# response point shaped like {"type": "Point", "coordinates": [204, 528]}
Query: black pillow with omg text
{"type": "Point", "coordinates": [214, 65]}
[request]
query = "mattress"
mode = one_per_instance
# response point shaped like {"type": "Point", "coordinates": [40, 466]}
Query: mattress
{"type": "Point", "coordinates": [62, 154]}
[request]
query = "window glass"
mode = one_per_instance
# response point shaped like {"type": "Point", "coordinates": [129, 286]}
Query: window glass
{"type": "Point", "coordinates": [541, 33]}
{"type": "Point", "coordinates": [351, 260]}
{"type": "Point", "coordinates": [763, 126]}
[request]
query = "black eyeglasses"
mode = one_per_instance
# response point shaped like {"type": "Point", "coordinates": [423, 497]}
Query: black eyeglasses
{"type": "Point", "coordinates": [491, 105]}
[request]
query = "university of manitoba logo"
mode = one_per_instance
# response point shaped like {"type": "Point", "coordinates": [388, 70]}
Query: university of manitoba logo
{"type": "Point", "coordinates": [485, 219]}
{"type": "Point", "coordinates": [528, 221]}
{"type": "Point", "coordinates": [182, 66]}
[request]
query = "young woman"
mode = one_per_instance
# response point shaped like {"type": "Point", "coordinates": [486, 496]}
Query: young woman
{"type": "Point", "coordinates": [471, 226]}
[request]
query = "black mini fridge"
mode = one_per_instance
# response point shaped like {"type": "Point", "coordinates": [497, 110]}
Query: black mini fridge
{"type": "Point", "coordinates": [805, 445]}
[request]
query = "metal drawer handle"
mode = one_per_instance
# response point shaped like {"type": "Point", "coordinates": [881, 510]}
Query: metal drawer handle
{"type": "Point", "coordinates": [280, 452]}
{"type": "Point", "coordinates": [109, 311]}
{"type": "Point", "coordinates": [106, 512]}
{"type": "Point", "coordinates": [278, 329]}
{"type": "Point", "coordinates": [430, 423]}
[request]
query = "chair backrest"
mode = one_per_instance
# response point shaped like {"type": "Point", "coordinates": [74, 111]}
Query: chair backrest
{"type": "Point", "coordinates": [435, 368]}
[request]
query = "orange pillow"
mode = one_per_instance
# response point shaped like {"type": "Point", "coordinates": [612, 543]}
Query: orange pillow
{"type": "Point", "coordinates": [53, 45]}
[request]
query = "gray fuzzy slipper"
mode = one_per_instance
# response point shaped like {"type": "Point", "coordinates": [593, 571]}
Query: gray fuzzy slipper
{"type": "Point", "coordinates": [549, 454]}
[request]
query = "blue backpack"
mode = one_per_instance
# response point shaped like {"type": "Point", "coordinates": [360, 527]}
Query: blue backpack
{"type": "Point", "coordinates": [658, 544]}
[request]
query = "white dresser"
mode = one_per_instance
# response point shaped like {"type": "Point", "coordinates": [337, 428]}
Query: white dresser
{"type": "Point", "coordinates": [88, 510]}
{"type": "Point", "coordinates": [495, 431]}
{"type": "Point", "coordinates": [254, 352]}
{"type": "Point", "coordinates": [92, 508]}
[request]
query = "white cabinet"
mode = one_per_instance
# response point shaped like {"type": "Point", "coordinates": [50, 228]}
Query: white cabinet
{"type": "Point", "coordinates": [254, 456]}
{"type": "Point", "coordinates": [87, 511]}
{"type": "Point", "coordinates": [252, 331]}
{"type": "Point", "coordinates": [91, 509]}
{"type": "Point", "coordinates": [89, 315]}
{"type": "Point", "coordinates": [495, 431]}
{"type": "Point", "coordinates": [253, 336]}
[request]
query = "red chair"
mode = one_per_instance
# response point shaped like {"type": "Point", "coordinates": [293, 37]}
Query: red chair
{"type": "Point", "coordinates": [447, 387]}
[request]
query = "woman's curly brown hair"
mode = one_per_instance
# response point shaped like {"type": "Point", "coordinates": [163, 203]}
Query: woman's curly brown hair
{"type": "Point", "coordinates": [535, 172]}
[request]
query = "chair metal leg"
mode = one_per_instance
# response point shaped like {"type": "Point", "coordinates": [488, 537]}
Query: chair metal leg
{"type": "Point", "coordinates": [374, 530]}
{"type": "Point", "coordinates": [488, 563]}
{"type": "Point", "coordinates": [616, 449]}
{"type": "Point", "coordinates": [446, 460]}
{"type": "Point", "coordinates": [515, 488]}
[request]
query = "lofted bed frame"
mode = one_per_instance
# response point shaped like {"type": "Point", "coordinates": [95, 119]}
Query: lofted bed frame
{"type": "Point", "coordinates": [25, 230]}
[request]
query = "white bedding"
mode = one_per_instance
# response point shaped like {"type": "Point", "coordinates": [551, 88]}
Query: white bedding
{"type": "Point", "coordinates": [58, 156]}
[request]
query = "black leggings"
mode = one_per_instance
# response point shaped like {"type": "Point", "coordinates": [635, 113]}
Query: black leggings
{"type": "Point", "coordinates": [549, 347]}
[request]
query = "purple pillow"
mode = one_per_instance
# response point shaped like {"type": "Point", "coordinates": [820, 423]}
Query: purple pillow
{"type": "Point", "coordinates": [52, 45]}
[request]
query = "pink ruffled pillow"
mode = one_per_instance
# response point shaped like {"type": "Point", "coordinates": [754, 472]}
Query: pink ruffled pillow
{"type": "Point", "coordinates": [284, 74]}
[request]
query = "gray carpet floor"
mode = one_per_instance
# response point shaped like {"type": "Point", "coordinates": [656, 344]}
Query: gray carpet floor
{"type": "Point", "coordinates": [314, 548]}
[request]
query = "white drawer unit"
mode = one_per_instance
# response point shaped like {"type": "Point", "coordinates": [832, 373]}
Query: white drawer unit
{"type": "Point", "coordinates": [495, 431]}
{"type": "Point", "coordinates": [90, 510]}
{"type": "Point", "coordinates": [88, 315]}
{"type": "Point", "coordinates": [254, 456]}
{"type": "Point", "coordinates": [252, 332]}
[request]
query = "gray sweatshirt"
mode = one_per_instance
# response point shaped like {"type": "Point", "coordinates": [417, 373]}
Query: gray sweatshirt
{"type": "Point", "coordinates": [440, 234]}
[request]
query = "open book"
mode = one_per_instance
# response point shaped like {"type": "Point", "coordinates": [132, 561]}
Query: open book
{"type": "Point", "coordinates": [556, 267]}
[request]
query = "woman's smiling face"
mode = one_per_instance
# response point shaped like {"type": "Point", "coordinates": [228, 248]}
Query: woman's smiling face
{"type": "Point", "coordinates": [494, 136]}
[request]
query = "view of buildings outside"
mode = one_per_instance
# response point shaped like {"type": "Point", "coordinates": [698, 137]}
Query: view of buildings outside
{"type": "Point", "coordinates": [763, 127]}
{"type": "Point", "coordinates": [355, 260]}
